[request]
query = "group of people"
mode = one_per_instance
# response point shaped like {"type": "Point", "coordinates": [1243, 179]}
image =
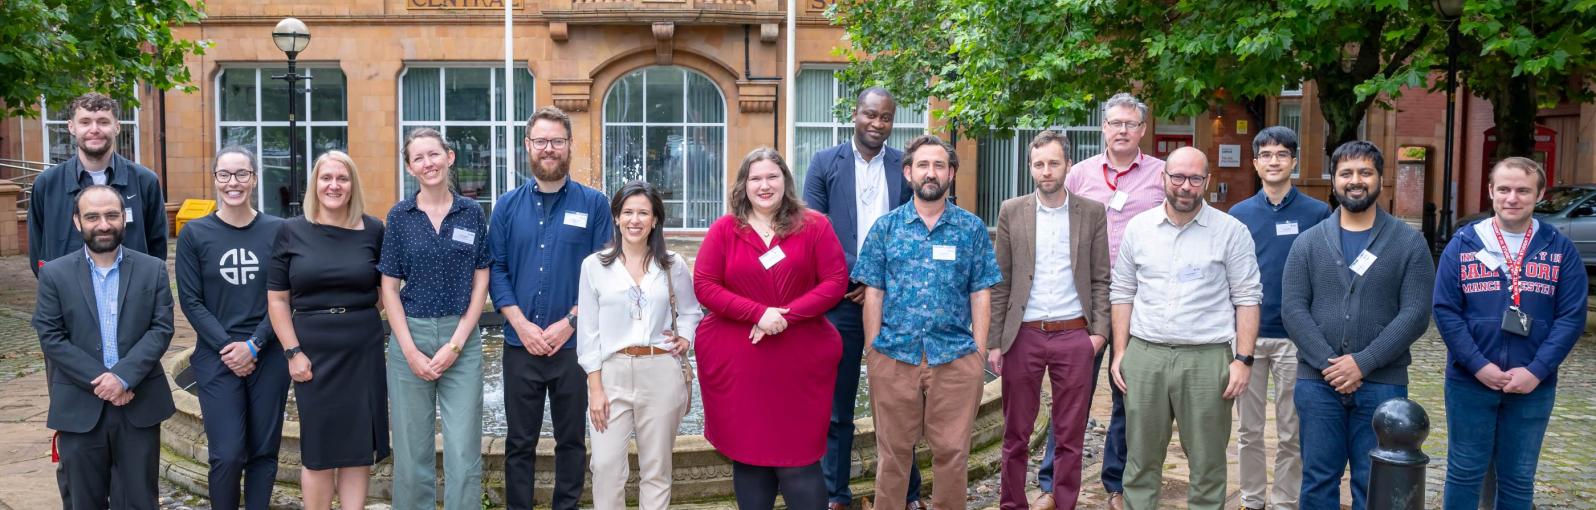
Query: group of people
{"type": "Point", "coordinates": [1117, 256]}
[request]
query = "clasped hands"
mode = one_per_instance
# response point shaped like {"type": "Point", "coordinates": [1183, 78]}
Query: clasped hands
{"type": "Point", "coordinates": [544, 341]}
{"type": "Point", "coordinates": [1517, 380]}
{"type": "Point", "coordinates": [771, 323]}
{"type": "Point", "coordinates": [109, 388]}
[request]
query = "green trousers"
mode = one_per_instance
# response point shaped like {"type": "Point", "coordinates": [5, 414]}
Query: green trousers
{"type": "Point", "coordinates": [1184, 385]}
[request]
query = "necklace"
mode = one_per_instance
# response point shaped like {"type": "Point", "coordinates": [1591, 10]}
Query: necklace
{"type": "Point", "coordinates": [763, 229]}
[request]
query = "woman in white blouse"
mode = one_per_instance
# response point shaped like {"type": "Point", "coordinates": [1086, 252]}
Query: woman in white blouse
{"type": "Point", "coordinates": [631, 351]}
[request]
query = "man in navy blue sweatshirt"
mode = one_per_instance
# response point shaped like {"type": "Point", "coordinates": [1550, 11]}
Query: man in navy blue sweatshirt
{"type": "Point", "coordinates": [1274, 216]}
{"type": "Point", "coordinates": [1510, 304]}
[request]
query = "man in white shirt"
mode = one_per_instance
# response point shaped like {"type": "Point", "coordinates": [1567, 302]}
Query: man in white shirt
{"type": "Point", "coordinates": [1186, 288]}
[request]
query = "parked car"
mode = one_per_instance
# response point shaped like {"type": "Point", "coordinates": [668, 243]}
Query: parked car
{"type": "Point", "coordinates": [1569, 209]}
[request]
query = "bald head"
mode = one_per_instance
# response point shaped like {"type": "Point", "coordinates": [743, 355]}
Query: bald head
{"type": "Point", "coordinates": [1189, 160]}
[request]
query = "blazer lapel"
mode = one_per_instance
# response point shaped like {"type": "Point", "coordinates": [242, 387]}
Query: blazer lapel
{"type": "Point", "coordinates": [1025, 225]}
{"type": "Point", "coordinates": [845, 204]}
{"type": "Point", "coordinates": [123, 281]}
{"type": "Point", "coordinates": [1080, 257]}
{"type": "Point", "coordinates": [893, 164]}
{"type": "Point", "coordinates": [86, 286]}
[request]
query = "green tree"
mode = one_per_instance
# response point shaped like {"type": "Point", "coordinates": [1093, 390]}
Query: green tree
{"type": "Point", "coordinates": [59, 49]}
{"type": "Point", "coordinates": [1522, 56]}
{"type": "Point", "coordinates": [1007, 63]}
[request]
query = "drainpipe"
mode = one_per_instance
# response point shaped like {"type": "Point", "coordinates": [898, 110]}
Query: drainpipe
{"type": "Point", "coordinates": [748, 74]}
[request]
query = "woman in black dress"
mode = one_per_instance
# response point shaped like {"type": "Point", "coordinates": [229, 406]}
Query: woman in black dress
{"type": "Point", "coordinates": [323, 292]}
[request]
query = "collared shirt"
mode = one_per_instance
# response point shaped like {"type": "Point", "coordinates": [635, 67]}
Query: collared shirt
{"type": "Point", "coordinates": [1053, 293]}
{"type": "Point", "coordinates": [436, 265]}
{"type": "Point", "coordinates": [620, 312]}
{"type": "Point", "coordinates": [928, 275]}
{"type": "Point", "coordinates": [1142, 184]}
{"type": "Point", "coordinates": [537, 255]}
{"type": "Point", "coordinates": [870, 191]}
{"type": "Point", "coordinates": [106, 287]}
{"type": "Point", "coordinates": [1186, 282]}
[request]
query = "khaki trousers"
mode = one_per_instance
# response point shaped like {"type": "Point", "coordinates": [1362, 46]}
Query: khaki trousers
{"type": "Point", "coordinates": [1275, 358]}
{"type": "Point", "coordinates": [647, 397]}
{"type": "Point", "coordinates": [910, 402]}
{"type": "Point", "coordinates": [1184, 385]}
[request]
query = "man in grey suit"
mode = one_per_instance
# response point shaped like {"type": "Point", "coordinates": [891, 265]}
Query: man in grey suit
{"type": "Point", "coordinates": [104, 318]}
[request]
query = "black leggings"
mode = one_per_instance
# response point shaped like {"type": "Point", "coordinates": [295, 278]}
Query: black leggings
{"type": "Point", "coordinates": [803, 487]}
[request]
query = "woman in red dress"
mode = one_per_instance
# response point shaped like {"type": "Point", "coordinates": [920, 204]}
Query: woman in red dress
{"type": "Point", "coordinates": [767, 357]}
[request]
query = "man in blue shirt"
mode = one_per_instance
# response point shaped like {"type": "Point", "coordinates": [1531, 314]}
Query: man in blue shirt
{"type": "Point", "coordinates": [928, 267]}
{"type": "Point", "coordinates": [539, 234]}
{"type": "Point", "coordinates": [1274, 216]}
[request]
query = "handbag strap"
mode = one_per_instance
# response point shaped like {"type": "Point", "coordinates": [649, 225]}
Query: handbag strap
{"type": "Point", "coordinates": [670, 287]}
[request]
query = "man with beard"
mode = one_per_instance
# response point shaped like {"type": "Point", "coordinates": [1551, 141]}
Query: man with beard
{"type": "Point", "coordinates": [106, 353]}
{"type": "Point", "coordinates": [1356, 292]}
{"type": "Point", "coordinates": [539, 234]}
{"type": "Point", "coordinates": [1184, 291]}
{"type": "Point", "coordinates": [928, 268]}
{"type": "Point", "coordinates": [854, 183]}
{"type": "Point", "coordinates": [94, 128]}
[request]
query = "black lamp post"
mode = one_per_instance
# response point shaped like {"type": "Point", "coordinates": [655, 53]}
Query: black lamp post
{"type": "Point", "coordinates": [1450, 11]}
{"type": "Point", "coordinates": [292, 36]}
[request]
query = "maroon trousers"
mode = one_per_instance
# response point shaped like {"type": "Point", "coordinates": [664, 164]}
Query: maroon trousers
{"type": "Point", "coordinates": [1066, 357]}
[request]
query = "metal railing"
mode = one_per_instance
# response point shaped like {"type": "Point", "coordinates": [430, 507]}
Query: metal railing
{"type": "Point", "coordinates": [23, 173]}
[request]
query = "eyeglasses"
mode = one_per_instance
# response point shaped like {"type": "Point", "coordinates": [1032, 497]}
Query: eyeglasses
{"type": "Point", "coordinates": [638, 299]}
{"type": "Point", "coordinates": [242, 175]}
{"type": "Point", "coordinates": [1123, 125]}
{"type": "Point", "coordinates": [1267, 156]}
{"type": "Point", "coordinates": [1181, 180]}
{"type": "Point", "coordinates": [544, 143]}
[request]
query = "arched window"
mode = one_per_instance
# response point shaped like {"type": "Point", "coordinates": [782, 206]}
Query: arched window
{"type": "Point", "coordinates": [667, 125]}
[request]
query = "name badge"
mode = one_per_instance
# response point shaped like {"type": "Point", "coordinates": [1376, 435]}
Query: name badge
{"type": "Point", "coordinates": [944, 252]}
{"type": "Point", "coordinates": [770, 258]}
{"type": "Point", "coordinates": [465, 236]}
{"type": "Point", "coordinates": [1118, 202]}
{"type": "Point", "coordinates": [127, 215]}
{"type": "Point", "coordinates": [1190, 273]}
{"type": "Point", "coordinates": [1286, 228]}
{"type": "Point", "coordinates": [1489, 259]}
{"type": "Point", "coordinates": [576, 219]}
{"type": "Point", "coordinates": [1362, 263]}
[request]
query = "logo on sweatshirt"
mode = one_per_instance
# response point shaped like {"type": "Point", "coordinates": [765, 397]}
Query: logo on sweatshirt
{"type": "Point", "coordinates": [239, 266]}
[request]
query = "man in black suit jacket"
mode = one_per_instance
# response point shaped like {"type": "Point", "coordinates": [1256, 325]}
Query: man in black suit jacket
{"type": "Point", "coordinates": [104, 318]}
{"type": "Point", "coordinates": [854, 183]}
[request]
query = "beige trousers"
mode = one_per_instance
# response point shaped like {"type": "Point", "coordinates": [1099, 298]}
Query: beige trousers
{"type": "Point", "coordinates": [1274, 358]}
{"type": "Point", "coordinates": [647, 398]}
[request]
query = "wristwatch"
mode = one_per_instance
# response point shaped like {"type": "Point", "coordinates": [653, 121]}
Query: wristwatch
{"type": "Point", "coordinates": [455, 347]}
{"type": "Point", "coordinates": [290, 353]}
{"type": "Point", "coordinates": [1244, 359]}
{"type": "Point", "coordinates": [571, 318]}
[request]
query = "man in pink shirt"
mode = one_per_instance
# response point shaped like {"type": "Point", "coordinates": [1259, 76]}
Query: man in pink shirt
{"type": "Point", "coordinates": [1128, 182]}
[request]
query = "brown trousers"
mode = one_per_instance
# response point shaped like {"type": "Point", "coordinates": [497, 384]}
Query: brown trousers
{"type": "Point", "coordinates": [908, 402]}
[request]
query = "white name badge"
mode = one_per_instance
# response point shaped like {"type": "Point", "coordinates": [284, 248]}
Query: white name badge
{"type": "Point", "coordinates": [770, 258]}
{"type": "Point", "coordinates": [465, 236]}
{"type": "Point", "coordinates": [576, 219]}
{"type": "Point", "coordinates": [1190, 273]}
{"type": "Point", "coordinates": [1118, 202]}
{"type": "Point", "coordinates": [1362, 263]}
{"type": "Point", "coordinates": [1489, 259]}
{"type": "Point", "coordinates": [1286, 228]}
{"type": "Point", "coordinates": [944, 252]}
{"type": "Point", "coordinates": [127, 215]}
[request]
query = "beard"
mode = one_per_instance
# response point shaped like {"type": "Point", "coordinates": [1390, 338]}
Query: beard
{"type": "Point", "coordinates": [1370, 195]}
{"type": "Point", "coordinates": [99, 242]}
{"type": "Point", "coordinates": [1192, 199]}
{"type": "Point", "coordinates": [559, 172]}
{"type": "Point", "coordinates": [1050, 187]}
{"type": "Point", "coordinates": [96, 153]}
{"type": "Point", "coordinates": [930, 191]}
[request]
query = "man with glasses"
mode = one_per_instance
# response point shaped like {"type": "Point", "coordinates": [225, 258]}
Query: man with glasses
{"type": "Point", "coordinates": [1275, 216]}
{"type": "Point", "coordinates": [1128, 182]}
{"type": "Point", "coordinates": [1184, 291]}
{"type": "Point", "coordinates": [539, 234]}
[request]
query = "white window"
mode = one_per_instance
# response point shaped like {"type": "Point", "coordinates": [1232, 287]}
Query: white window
{"type": "Point", "coordinates": [818, 92]}
{"type": "Point", "coordinates": [1003, 163]}
{"type": "Point", "coordinates": [1291, 118]}
{"type": "Point", "coordinates": [58, 143]}
{"type": "Point", "coordinates": [252, 111]}
{"type": "Point", "coordinates": [667, 125]}
{"type": "Point", "coordinates": [466, 104]}
{"type": "Point", "coordinates": [1293, 90]}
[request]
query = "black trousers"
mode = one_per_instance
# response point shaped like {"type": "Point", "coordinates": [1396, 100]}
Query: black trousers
{"type": "Point", "coordinates": [527, 380]}
{"type": "Point", "coordinates": [800, 487]}
{"type": "Point", "coordinates": [243, 420]}
{"type": "Point", "coordinates": [114, 454]}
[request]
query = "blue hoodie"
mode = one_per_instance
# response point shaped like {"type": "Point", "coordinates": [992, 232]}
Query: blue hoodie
{"type": "Point", "coordinates": [1470, 298]}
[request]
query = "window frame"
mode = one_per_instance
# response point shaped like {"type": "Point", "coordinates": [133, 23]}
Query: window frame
{"type": "Point", "coordinates": [499, 177]}
{"type": "Point", "coordinates": [834, 125]}
{"type": "Point", "coordinates": [308, 125]}
{"type": "Point", "coordinates": [725, 139]}
{"type": "Point", "coordinates": [129, 125]}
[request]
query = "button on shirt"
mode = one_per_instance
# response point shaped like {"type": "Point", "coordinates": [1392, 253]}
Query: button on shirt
{"type": "Point", "coordinates": [870, 192]}
{"type": "Point", "coordinates": [621, 312]}
{"type": "Point", "coordinates": [926, 311]}
{"type": "Point", "coordinates": [106, 288]}
{"type": "Point", "coordinates": [538, 241]}
{"type": "Point", "coordinates": [1053, 293]}
{"type": "Point", "coordinates": [436, 265]}
{"type": "Point", "coordinates": [1143, 185]}
{"type": "Point", "coordinates": [1185, 282]}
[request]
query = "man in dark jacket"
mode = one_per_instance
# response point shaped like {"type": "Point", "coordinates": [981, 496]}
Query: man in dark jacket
{"type": "Point", "coordinates": [1355, 294]}
{"type": "Point", "coordinates": [1510, 304]}
{"type": "Point", "coordinates": [94, 127]}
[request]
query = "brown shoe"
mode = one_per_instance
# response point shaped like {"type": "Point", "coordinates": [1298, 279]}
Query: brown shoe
{"type": "Point", "coordinates": [1116, 501]}
{"type": "Point", "coordinates": [1045, 502]}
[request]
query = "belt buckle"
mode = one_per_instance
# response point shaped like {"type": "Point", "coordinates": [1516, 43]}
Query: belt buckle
{"type": "Point", "coordinates": [337, 310]}
{"type": "Point", "coordinates": [1052, 326]}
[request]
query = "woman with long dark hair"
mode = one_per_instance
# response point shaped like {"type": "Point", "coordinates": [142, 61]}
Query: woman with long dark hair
{"type": "Point", "coordinates": [767, 273]}
{"type": "Point", "coordinates": [641, 314]}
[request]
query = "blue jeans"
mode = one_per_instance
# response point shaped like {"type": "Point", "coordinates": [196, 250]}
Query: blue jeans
{"type": "Point", "coordinates": [837, 464]}
{"type": "Point", "coordinates": [1113, 445]}
{"type": "Point", "coordinates": [1337, 430]}
{"type": "Point", "coordinates": [1482, 426]}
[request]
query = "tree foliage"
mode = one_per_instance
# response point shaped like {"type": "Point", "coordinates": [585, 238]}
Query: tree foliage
{"type": "Point", "coordinates": [59, 49]}
{"type": "Point", "coordinates": [1527, 55]}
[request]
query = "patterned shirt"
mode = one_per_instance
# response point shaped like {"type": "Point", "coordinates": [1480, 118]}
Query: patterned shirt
{"type": "Point", "coordinates": [436, 265]}
{"type": "Point", "coordinates": [928, 276]}
{"type": "Point", "coordinates": [107, 284]}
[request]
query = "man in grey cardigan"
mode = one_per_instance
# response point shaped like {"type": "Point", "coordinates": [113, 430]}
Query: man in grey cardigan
{"type": "Point", "coordinates": [1356, 294]}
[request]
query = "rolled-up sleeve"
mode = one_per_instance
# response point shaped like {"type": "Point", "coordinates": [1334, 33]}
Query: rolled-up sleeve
{"type": "Point", "coordinates": [1241, 268]}
{"type": "Point", "coordinates": [1122, 289]}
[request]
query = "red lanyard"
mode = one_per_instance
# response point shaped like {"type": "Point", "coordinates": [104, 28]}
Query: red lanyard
{"type": "Point", "coordinates": [1113, 184]}
{"type": "Point", "coordinates": [1515, 266]}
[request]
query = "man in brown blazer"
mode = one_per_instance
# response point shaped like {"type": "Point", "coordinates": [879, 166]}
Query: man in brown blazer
{"type": "Point", "coordinates": [1049, 315]}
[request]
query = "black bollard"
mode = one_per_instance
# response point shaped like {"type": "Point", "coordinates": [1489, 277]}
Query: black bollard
{"type": "Point", "coordinates": [1396, 479]}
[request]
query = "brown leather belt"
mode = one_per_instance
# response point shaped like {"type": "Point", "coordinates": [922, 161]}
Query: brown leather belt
{"type": "Point", "coordinates": [1052, 326]}
{"type": "Point", "coordinates": [644, 350]}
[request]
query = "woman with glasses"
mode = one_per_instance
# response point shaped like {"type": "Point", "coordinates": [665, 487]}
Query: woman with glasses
{"type": "Point", "coordinates": [434, 282]}
{"type": "Point", "coordinates": [322, 298]}
{"type": "Point", "coordinates": [242, 382]}
{"type": "Point", "coordinates": [767, 273]}
{"type": "Point", "coordinates": [640, 316]}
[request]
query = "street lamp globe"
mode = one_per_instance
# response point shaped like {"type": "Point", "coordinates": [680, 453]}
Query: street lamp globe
{"type": "Point", "coordinates": [1449, 9]}
{"type": "Point", "coordinates": [291, 36]}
